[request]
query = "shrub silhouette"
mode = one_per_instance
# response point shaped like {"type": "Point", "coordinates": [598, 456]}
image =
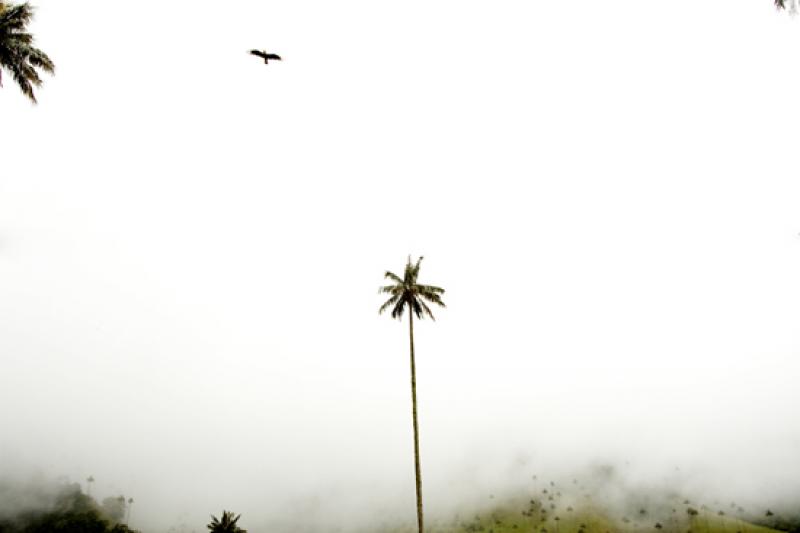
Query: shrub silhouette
{"type": "Point", "coordinates": [226, 524]}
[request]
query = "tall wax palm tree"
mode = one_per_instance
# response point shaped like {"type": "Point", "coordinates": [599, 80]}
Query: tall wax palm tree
{"type": "Point", "coordinates": [18, 56]}
{"type": "Point", "coordinates": [407, 293]}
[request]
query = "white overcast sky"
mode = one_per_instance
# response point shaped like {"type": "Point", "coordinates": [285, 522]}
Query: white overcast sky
{"type": "Point", "coordinates": [191, 243]}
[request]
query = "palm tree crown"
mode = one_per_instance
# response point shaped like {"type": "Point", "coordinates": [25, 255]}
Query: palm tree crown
{"type": "Point", "coordinates": [227, 524]}
{"type": "Point", "coordinates": [17, 53]}
{"type": "Point", "coordinates": [407, 292]}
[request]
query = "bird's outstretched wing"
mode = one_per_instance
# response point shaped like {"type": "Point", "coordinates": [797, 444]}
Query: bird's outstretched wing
{"type": "Point", "coordinates": [274, 56]}
{"type": "Point", "coordinates": [260, 54]}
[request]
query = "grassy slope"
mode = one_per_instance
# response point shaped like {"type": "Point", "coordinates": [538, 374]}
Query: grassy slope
{"type": "Point", "coordinates": [519, 517]}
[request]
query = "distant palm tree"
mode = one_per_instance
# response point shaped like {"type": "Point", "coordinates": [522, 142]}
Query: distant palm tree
{"type": "Point", "coordinates": [130, 504]}
{"type": "Point", "coordinates": [89, 481]}
{"type": "Point", "coordinates": [692, 512]}
{"type": "Point", "coordinates": [227, 524]}
{"type": "Point", "coordinates": [769, 514]}
{"type": "Point", "coordinates": [406, 292]}
{"type": "Point", "coordinates": [17, 54]}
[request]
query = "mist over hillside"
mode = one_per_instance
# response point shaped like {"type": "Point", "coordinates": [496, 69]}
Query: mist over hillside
{"type": "Point", "coordinates": [192, 244]}
{"type": "Point", "coordinates": [622, 496]}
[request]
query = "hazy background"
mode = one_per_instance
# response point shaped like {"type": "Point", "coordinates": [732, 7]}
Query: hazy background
{"type": "Point", "coordinates": [191, 244]}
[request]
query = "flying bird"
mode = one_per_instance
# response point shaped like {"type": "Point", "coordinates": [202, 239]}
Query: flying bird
{"type": "Point", "coordinates": [265, 56]}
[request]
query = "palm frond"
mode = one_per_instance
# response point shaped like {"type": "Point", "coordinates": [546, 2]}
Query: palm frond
{"type": "Point", "coordinates": [17, 53]}
{"type": "Point", "coordinates": [394, 277]}
{"type": "Point", "coordinates": [390, 302]}
{"type": "Point", "coordinates": [430, 288]}
{"type": "Point", "coordinates": [400, 306]}
{"type": "Point", "coordinates": [16, 18]}
{"type": "Point", "coordinates": [408, 272]}
{"type": "Point", "coordinates": [416, 306]}
{"type": "Point", "coordinates": [25, 86]}
{"type": "Point", "coordinates": [426, 309]}
{"type": "Point", "coordinates": [390, 289]}
{"type": "Point", "coordinates": [416, 268]}
{"type": "Point", "coordinates": [39, 59]}
{"type": "Point", "coordinates": [433, 298]}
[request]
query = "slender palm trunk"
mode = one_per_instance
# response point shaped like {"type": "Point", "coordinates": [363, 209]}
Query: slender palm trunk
{"type": "Point", "coordinates": [417, 469]}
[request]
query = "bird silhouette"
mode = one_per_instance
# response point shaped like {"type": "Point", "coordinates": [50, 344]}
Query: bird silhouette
{"type": "Point", "coordinates": [265, 56]}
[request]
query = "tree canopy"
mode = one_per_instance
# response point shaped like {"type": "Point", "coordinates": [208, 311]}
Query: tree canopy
{"type": "Point", "coordinates": [18, 55]}
{"type": "Point", "coordinates": [407, 292]}
{"type": "Point", "coordinates": [226, 524]}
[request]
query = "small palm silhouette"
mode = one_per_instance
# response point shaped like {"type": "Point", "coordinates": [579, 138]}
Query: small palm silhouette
{"type": "Point", "coordinates": [226, 524]}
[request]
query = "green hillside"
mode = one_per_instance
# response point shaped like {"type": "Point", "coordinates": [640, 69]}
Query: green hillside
{"type": "Point", "coordinates": [551, 516]}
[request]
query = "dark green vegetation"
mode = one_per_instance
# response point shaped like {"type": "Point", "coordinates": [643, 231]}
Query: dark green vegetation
{"type": "Point", "coordinates": [406, 292]}
{"type": "Point", "coordinates": [226, 524]}
{"type": "Point", "coordinates": [18, 56]}
{"type": "Point", "coordinates": [63, 509]}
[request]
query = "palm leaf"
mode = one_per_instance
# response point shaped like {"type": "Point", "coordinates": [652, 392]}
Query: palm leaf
{"type": "Point", "coordinates": [39, 59]}
{"type": "Point", "coordinates": [431, 288]}
{"type": "Point", "coordinates": [390, 289]}
{"type": "Point", "coordinates": [394, 277]}
{"type": "Point", "coordinates": [397, 311]}
{"type": "Point", "coordinates": [16, 18]}
{"type": "Point", "coordinates": [17, 53]}
{"type": "Point", "coordinates": [388, 303]}
{"type": "Point", "coordinates": [426, 309]}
